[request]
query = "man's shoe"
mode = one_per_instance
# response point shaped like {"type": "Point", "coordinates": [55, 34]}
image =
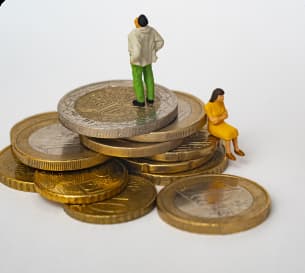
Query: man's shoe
{"type": "Point", "coordinates": [136, 103]}
{"type": "Point", "coordinates": [239, 152]}
{"type": "Point", "coordinates": [230, 156]}
{"type": "Point", "coordinates": [150, 102]}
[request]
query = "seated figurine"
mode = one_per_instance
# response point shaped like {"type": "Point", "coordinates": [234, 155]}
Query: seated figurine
{"type": "Point", "coordinates": [217, 113]}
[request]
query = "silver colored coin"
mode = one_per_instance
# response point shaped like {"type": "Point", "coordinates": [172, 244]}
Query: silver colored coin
{"type": "Point", "coordinates": [105, 110]}
{"type": "Point", "coordinates": [191, 117]}
{"type": "Point", "coordinates": [215, 204]}
{"type": "Point", "coordinates": [42, 142]}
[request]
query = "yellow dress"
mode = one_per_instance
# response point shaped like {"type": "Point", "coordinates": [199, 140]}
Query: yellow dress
{"type": "Point", "coordinates": [222, 130]}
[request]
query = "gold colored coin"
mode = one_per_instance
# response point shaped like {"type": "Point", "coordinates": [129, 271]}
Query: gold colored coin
{"type": "Point", "coordinates": [213, 204]}
{"type": "Point", "coordinates": [199, 144]}
{"type": "Point", "coordinates": [217, 164]}
{"type": "Point", "coordinates": [14, 174]}
{"type": "Point", "coordinates": [191, 117]}
{"type": "Point", "coordinates": [84, 186]}
{"type": "Point", "coordinates": [126, 148]}
{"type": "Point", "coordinates": [136, 200]}
{"type": "Point", "coordinates": [42, 142]}
{"type": "Point", "coordinates": [105, 110]}
{"type": "Point", "coordinates": [139, 165]}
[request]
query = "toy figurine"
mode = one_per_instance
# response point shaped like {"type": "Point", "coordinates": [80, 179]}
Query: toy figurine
{"type": "Point", "coordinates": [143, 43]}
{"type": "Point", "coordinates": [217, 113]}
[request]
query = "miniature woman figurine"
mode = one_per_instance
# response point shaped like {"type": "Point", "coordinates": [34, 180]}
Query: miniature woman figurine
{"type": "Point", "coordinates": [143, 43]}
{"type": "Point", "coordinates": [217, 113]}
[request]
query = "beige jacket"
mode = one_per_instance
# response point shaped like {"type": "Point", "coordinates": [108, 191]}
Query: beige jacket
{"type": "Point", "coordinates": [143, 43]}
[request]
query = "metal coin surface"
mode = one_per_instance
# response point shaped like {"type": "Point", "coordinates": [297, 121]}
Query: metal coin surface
{"type": "Point", "coordinates": [14, 174]}
{"type": "Point", "coordinates": [217, 164]}
{"type": "Point", "coordinates": [105, 110]}
{"type": "Point", "coordinates": [136, 200]}
{"type": "Point", "coordinates": [84, 186]}
{"type": "Point", "coordinates": [199, 144]}
{"type": "Point", "coordinates": [42, 142]}
{"type": "Point", "coordinates": [126, 148]}
{"type": "Point", "coordinates": [139, 165]}
{"type": "Point", "coordinates": [214, 204]}
{"type": "Point", "coordinates": [191, 117]}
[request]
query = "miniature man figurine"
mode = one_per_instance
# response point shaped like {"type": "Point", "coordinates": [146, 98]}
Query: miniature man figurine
{"type": "Point", "coordinates": [143, 43]}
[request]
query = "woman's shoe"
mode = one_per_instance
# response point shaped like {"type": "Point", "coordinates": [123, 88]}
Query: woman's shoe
{"type": "Point", "coordinates": [239, 152]}
{"type": "Point", "coordinates": [230, 156]}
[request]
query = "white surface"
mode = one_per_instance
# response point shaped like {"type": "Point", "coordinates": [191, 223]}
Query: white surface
{"type": "Point", "coordinates": [254, 50]}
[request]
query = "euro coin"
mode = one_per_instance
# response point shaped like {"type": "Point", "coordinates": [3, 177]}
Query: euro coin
{"type": "Point", "coordinates": [105, 110]}
{"type": "Point", "coordinates": [191, 117]}
{"type": "Point", "coordinates": [214, 204]}
{"type": "Point", "coordinates": [84, 186]}
{"type": "Point", "coordinates": [14, 174]}
{"type": "Point", "coordinates": [126, 148]}
{"type": "Point", "coordinates": [143, 165]}
{"type": "Point", "coordinates": [42, 142]}
{"type": "Point", "coordinates": [136, 200]}
{"type": "Point", "coordinates": [217, 164]}
{"type": "Point", "coordinates": [199, 144]}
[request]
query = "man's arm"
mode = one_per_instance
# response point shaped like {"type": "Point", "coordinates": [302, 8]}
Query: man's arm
{"type": "Point", "coordinates": [159, 42]}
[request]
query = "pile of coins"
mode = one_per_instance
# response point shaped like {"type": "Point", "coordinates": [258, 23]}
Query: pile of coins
{"type": "Point", "coordinates": [101, 157]}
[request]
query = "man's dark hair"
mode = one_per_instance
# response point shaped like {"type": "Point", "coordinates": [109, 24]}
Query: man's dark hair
{"type": "Point", "coordinates": [142, 20]}
{"type": "Point", "coordinates": [216, 93]}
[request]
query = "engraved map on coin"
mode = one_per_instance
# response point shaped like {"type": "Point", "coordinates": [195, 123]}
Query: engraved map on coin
{"type": "Point", "coordinates": [55, 139]}
{"type": "Point", "coordinates": [213, 200]}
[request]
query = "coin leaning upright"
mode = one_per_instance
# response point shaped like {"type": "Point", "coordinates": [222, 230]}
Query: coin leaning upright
{"type": "Point", "coordinates": [214, 204]}
{"type": "Point", "coordinates": [105, 110]}
{"type": "Point", "coordinates": [136, 200]}
{"type": "Point", "coordinates": [191, 117]}
{"type": "Point", "coordinates": [42, 142]}
{"type": "Point", "coordinates": [14, 174]}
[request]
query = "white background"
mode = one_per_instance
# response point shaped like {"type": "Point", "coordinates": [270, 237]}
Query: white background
{"type": "Point", "coordinates": [254, 50]}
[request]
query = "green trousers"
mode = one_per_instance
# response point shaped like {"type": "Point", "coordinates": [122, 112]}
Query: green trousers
{"type": "Point", "coordinates": [137, 72]}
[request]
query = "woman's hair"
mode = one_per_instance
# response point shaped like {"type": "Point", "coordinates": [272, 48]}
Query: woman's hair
{"type": "Point", "coordinates": [216, 93]}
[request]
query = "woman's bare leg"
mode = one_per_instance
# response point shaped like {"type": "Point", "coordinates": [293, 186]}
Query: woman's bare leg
{"type": "Point", "coordinates": [235, 144]}
{"type": "Point", "coordinates": [236, 147]}
{"type": "Point", "coordinates": [229, 154]}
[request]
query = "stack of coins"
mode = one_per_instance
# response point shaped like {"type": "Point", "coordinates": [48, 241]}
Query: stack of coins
{"type": "Point", "coordinates": [100, 156]}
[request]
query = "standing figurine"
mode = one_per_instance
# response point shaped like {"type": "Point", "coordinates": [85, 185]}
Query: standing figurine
{"type": "Point", "coordinates": [217, 113]}
{"type": "Point", "coordinates": [143, 43]}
